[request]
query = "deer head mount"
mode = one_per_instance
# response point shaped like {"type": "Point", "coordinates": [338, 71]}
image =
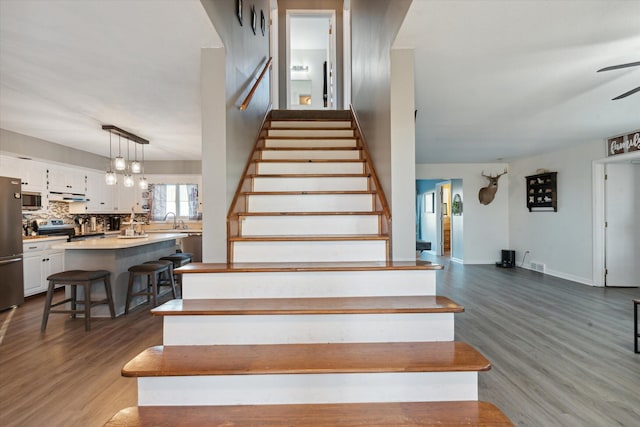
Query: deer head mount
{"type": "Point", "coordinates": [487, 193]}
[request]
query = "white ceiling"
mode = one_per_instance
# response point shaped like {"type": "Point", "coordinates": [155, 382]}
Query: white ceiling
{"type": "Point", "coordinates": [68, 66]}
{"type": "Point", "coordinates": [494, 79]}
{"type": "Point", "coordinates": [506, 79]}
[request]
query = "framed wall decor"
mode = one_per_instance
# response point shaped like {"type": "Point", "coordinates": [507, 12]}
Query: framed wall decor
{"type": "Point", "coordinates": [428, 202]}
{"type": "Point", "coordinates": [263, 23]}
{"type": "Point", "coordinates": [239, 11]}
{"type": "Point", "coordinates": [254, 19]}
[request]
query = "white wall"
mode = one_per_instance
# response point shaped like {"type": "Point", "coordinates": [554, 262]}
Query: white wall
{"type": "Point", "coordinates": [486, 228]}
{"type": "Point", "coordinates": [562, 240]}
{"type": "Point", "coordinates": [403, 155]}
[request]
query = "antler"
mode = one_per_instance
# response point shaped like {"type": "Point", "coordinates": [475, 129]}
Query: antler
{"type": "Point", "coordinates": [505, 171]}
{"type": "Point", "coordinates": [494, 177]}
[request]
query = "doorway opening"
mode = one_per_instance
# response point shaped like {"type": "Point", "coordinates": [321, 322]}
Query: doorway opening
{"type": "Point", "coordinates": [438, 231]}
{"type": "Point", "coordinates": [311, 59]}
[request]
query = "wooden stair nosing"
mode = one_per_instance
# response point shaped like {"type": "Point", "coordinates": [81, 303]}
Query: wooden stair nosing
{"type": "Point", "coordinates": [310, 238]}
{"type": "Point", "coordinates": [333, 305]}
{"type": "Point", "coordinates": [274, 359]}
{"type": "Point", "coordinates": [332, 213]}
{"type": "Point", "coordinates": [306, 193]}
{"type": "Point", "coordinates": [311, 175]}
{"type": "Point", "coordinates": [267, 267]}
{"type": "Point", "coordinates": [308, 137]}
{"type": "Point", "coordinates": [309, 149]}
{"type": "Point", "coordinates": [309, 161]}
{"type": "Point", "coordinates": [309, 128]}
{"type": "Point", "coordinates": [398, 414]}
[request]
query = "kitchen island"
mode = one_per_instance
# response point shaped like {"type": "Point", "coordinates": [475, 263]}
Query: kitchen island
{"type": "Point", "coordinates": [116, 255]}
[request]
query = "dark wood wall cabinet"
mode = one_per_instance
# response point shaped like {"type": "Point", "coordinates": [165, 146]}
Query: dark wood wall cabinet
{"type": "Point", "coordinates": [542, 192]}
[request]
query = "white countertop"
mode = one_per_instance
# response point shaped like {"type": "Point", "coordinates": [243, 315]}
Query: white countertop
{"type": "Point", "coordinates": [38, 239]}
{"type": "Point", "coordinates": [116, 243]}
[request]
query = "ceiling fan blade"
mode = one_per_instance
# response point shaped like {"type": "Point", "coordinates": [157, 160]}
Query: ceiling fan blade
{"type": "Point", "coordinates": [624, 95]}
{"type": "Point", "coordinates": [617, 67]}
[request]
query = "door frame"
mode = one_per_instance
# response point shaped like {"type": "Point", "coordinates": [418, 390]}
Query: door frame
{"type": "Point", "coordinates": [332, 66]}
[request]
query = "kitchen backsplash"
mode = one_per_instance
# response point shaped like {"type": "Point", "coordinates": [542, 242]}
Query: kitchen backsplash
{"type": "Point", "coordinates": [60, 210]}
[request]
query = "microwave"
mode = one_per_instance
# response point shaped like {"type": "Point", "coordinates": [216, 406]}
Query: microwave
{"type": "Point", "coordinates": [31, 201]}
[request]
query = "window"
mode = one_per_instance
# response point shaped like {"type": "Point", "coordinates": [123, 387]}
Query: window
{"type": "Point", "coordinates": [180, 199]}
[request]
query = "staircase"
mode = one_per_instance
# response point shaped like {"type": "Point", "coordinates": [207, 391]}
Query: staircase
{"type": "Point", "coordinates": [310, 322]}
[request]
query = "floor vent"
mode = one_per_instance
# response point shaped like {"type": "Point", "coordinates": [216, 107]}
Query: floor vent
{"type": "Point", "coordinates": [536, 266]}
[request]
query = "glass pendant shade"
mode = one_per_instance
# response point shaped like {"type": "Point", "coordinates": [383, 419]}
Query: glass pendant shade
{"type": "Point", "coordinates": [143, 183]}
{"type": "Point", "coordinates": [120, 163]}
{"type": "Point", "coordinates": [128, 181]}
{"type": "Point", "coordinates": [136, 166]}
{"type": "Point", "coordinates": [110, 178]}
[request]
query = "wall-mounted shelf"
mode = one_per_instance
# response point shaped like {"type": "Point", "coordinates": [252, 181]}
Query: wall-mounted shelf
{"type": "Point", "coordinates": [542, 192]}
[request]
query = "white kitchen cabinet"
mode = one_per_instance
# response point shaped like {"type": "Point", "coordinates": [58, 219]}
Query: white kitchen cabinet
{"type": "Point", "coordinates": [32, 174]}
{"type": "Point", "coordinates": [66, 180]}
{"type": "Point", "coordinates": [40, 261]}
{"type": "Point", "coordinates": [100, 195]}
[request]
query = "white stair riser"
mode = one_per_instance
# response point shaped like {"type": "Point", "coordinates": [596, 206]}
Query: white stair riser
{"type": "Point", "coordinates": [309, 251]}
{"type": "Point", "coordinates": [311, 124]}
{"type": "Point", "coordinates": [308, 388]}
{"type": "Point", "coordinates": [308, 329]}
{"type": "Point", "coordinates": [309, 225]}
{"type": "Point", "coordinates": [311, 184]}
{"type": "Point", "coordinates": [304, 133]}
{"type": "Point", "coordinates": [310, 203]}
{"type": "Point", "coordinates": [300, 284]}
{"type": "Point", "coordinates": [285, 168]}
{"type": "Point", "coordinates": [301, 143]}
{"type": "Point", "coordinates": [310, 154]}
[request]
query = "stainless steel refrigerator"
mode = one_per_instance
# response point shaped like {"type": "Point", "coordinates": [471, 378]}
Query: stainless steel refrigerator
{"type": "Point", "coordinates": [11, 279]}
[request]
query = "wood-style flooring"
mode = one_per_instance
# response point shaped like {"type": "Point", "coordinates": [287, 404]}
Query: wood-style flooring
{"type": "Point", "coordinates": [562, 353]}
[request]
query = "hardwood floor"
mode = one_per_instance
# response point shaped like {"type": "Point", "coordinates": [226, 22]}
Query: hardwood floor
{"type": "Point", "coordinates": [562, 353]}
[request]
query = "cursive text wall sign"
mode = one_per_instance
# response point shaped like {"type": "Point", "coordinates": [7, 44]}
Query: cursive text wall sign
{"type": "Point", "coordinates": [623, 144]}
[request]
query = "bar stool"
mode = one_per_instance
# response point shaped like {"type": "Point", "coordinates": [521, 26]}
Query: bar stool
{"type": "Point", "coordinates": [151, 271]}
{"type": "Point", "coordinates": [178, 259]}
{"type": "Point", "coordinates": [77, 278]}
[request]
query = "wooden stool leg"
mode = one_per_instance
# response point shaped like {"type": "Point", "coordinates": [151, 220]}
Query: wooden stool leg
{"type": "Point", "coordinates": [47, 306]}
{"type": "Point", "coordinates": [74, 297]}
{"type": "Point", "coordinates": [154, 287]}
{"type": "Point", "coordinates": [86, 287]}
{"type": "Point", "coordinates": [129, 292]}
{"type": "Point", "coordinates": [172, 281]}
{"type": "Point", "coordinates": [107, 288]}
{"type": "Point", "coordinates": [635, 325]}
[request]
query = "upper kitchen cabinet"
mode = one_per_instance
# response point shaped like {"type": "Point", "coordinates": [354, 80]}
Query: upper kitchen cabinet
{"type": "Point", "coordinates": [128, 198]}
{"type": "Point", "coordinates": [32, 174]}
{"type": "Point", "coordinates": [66, 180]}
{"type": "Point", "coordinates": [99, 196]}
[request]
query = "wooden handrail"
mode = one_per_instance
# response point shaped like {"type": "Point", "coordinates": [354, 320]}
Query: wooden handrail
{"type": "Point", "coordinates": [247, 100]}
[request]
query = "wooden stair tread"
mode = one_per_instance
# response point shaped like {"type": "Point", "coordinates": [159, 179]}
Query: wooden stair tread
{"type": "Point", "coordinates": [308, 137]}
{"type": "Point", "coordinates": [334, 305]}
{"type": "Point", "coordinates": [469, 413]}
{"type": "Point", "coordinates": [309, 161]}
{"type": "Point", "coordinates": [310, 175]}
{"type": "Point", "coordinates": [309, 149]}
{"type": "Point", "coordinates": [305, 193]}
{"type": "Point", "coordinates": [266, 267]}
{"type": "Point", "coordinates": [309, 128]}
{"type": "Point", "coordinates": [273, 359]}
{"type": "Point", "coordinates": [309, 238]}
{"type": "Point", "coordinates": [239, 214]}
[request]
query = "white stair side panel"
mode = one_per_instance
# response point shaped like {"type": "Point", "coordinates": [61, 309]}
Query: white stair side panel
{"type": "Point", "coordinates": [311, 124]}
{"type": "Point", "coordinates": [309, 251]}
{"type": "Point", "coordinates": [309, 225]}
{"type": "Point", "coordinates": [303, 133]}
{"type": "Point", "coordinates": [308, 388]}
{"type": "Point", "coordinates": [308, 329]}
{"type": "Point", "coordinates": [310, 203]}
{"type": "Point", "coordinates": [284, 168]}
{"type": "Point", "coordinates": [351, 183]}
{"type": "Point", "coordinates": [301, 143]}
{"type": "Point", "coordinates": [310, 154]}
{"type": "Point", "coordinates": [301, 284]}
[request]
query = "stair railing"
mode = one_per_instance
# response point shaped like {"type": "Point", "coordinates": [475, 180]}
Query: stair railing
{"type": "Point", "coordinates": [381, 199]}
{"type": "Point", "coordinates": [247, 100]}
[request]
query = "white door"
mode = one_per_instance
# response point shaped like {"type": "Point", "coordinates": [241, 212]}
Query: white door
{"type": "Point", "coordinates": [622, 247]}
{"type": "Point", "coordinates": [439, 226]}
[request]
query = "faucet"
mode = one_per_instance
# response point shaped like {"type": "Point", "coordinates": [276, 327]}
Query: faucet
{"type": "Point", "coordinates": [184, 226]}
{"type": "Point", "coordinates": [175, 223]}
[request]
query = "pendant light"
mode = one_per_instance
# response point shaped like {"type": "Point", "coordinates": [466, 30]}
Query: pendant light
{"type": "Point", "coordinates": [135, 165]}
{"type": "Point", "coordinates": [143, 183]}
{"type": "Point", "coordinates": [110, 177]}
{"type": "Point", "coordinates": [128, 179]}
{"type": "Point", "coordinates": [120, 163]}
